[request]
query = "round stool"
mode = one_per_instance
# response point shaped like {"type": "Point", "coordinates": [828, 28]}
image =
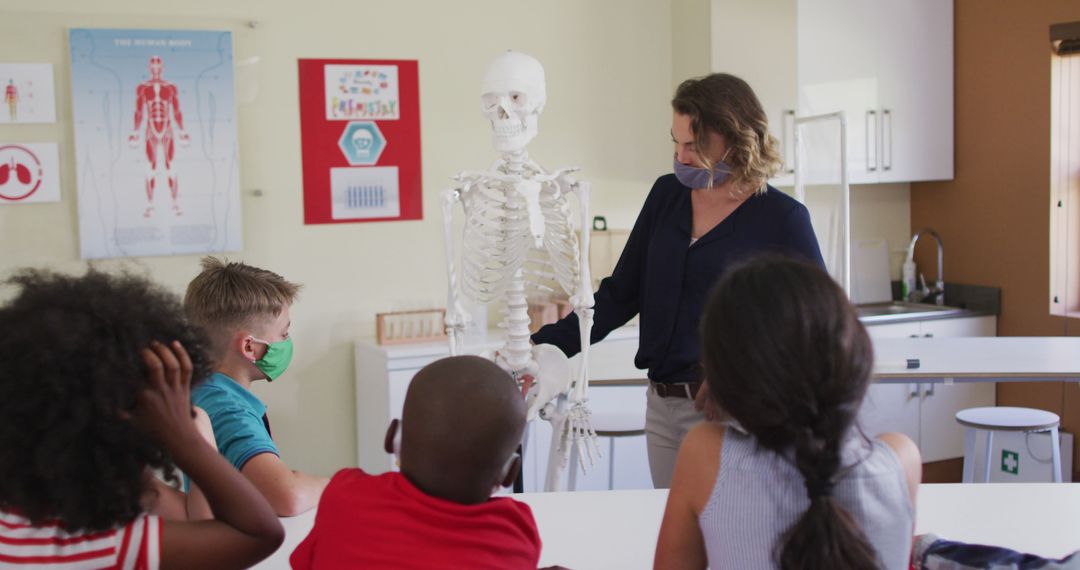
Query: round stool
{"type": "Point", "coordinates": [1004, 418]}
{"type": "Point", "coordinates": [611, 425]}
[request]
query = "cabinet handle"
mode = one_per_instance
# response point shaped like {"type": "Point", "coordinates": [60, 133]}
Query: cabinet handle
{"type": "Point", "coordinates": [789, 158]}
{"type": "Point", "coordinates": [928, 335]}
{"type": "Point", "coordinates": [913, 390]}
{"type": "Point", "coordinates": [871, 114]}
{"type": "Point", "coordinates": [929, 389]}
{"type": "Point", "coordinates": [913, 336]}
{"type": "Point", "coordinates": [886, 119]}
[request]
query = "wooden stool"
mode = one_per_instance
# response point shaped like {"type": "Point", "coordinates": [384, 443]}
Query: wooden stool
{"type": "Point", "coordinates": [612, 426]}
{"type": "Point", "coordinates": [1004, 418]}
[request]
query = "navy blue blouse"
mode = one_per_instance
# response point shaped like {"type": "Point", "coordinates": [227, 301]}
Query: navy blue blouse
{"type": "Point", "coordinates": [667, 280]}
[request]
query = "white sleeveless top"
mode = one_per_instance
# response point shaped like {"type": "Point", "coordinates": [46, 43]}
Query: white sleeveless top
{"type": "Point", "coordinates": [758, 495]}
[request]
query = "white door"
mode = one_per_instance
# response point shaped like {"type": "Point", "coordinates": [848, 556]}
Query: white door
{"type": "Point", "coordinates": [756, 42]}
{"type": "Point", "coordinates": [915, 74]}
{"type": "Point", "coordinates": [837, 63]}
{"type": "Point", "coordinates": [942, 438]}
{"type": "Point", "coordinates": [891, 407]}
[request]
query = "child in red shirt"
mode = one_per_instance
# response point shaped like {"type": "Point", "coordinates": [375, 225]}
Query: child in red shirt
{"type": "Point", "coordinates": [463, 420]}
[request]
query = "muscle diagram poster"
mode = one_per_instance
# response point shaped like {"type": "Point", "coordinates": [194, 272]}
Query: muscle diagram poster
{"type": "Point", "coordinates": [360, 133]}
{"type": "Point", "coordinates": [155, 142]}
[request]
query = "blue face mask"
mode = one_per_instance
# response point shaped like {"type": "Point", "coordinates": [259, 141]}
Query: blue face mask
{"type": "Point", "coordinates": [697, 177]}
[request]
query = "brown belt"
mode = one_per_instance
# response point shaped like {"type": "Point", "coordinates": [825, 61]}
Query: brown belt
{"type": "Point", "coordinates": [685, 390]}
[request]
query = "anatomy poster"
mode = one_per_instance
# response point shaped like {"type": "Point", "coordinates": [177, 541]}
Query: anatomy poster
{"type": "Point", "coordinates": [360, 133]}
{"type": "Point", "coordinates": [28, 93]}
{"type": "Point", "coordinates": [29, 172]}
{"type": "Point", "coordinates": [155, 142]}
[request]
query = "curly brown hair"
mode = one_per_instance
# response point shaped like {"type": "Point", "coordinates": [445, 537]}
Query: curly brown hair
{"type": "Point", "coordinates": [726, 105]}
{"type": "Point", "coordinates": [70, 367]}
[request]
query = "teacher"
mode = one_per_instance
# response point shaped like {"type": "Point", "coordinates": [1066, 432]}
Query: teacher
{"type": "Point", "coordinates": [715, 210]}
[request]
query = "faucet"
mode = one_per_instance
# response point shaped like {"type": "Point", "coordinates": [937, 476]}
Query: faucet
{"type": "Point", "coordinates": [938, 290]}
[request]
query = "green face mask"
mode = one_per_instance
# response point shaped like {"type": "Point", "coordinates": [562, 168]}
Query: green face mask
{"type": "Point", "coordinates": [277, 358]}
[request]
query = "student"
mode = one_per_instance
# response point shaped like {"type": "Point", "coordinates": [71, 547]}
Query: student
{"type": "Point", "coordinates": [245, 312]}
{"type": "Point", "coordinates": [96, 374]}
{"type": "Point", "coordinates": [461, 425]}
{"type": "Point", "coordinates": [789, 482]}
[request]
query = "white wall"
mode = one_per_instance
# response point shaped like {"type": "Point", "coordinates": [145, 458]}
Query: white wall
{"type": "Point", "coordinates": [608, 68]}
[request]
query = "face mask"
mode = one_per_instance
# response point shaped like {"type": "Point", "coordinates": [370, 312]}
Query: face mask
{"type": "Point", "coordinates": [277, 358]}
{"type": "Point", "coordinates": [697, 177]}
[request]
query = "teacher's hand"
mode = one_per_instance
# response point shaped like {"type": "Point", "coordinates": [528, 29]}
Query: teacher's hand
{"type": "Point", "coordinates": [705, 404]}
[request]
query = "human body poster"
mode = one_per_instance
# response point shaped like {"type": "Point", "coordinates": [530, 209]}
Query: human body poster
{"type": "Point", "coordinates": [155, 142]}
{"type": "Point", "coordinates": [360, 136]}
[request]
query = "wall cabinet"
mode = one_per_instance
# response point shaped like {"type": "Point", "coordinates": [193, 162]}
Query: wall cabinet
{"type": "Point", "coordinates": [756, 42]}
{"type": "Point", "coordinates": [889, 67]}
{"type": "Point", "coordinates": [925, 412]}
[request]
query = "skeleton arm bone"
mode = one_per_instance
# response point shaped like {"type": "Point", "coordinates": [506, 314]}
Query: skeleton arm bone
{"type": "Point", "coordinates": [456, 316]}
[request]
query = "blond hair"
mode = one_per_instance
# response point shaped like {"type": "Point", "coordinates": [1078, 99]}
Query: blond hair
{"type": "Point", "coordinates": [228, 296]}
{"type": "Point", "coordinates": [726, 105]}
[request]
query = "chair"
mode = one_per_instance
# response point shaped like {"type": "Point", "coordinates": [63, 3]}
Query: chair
{"type": "Point", "coordinates": [611, 425]}
{"type": "Point", "coordinates": [1004, 418]}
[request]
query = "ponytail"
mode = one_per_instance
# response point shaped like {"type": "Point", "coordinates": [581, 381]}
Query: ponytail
{"type": "Point", "coordinates": [785, 355]}
{"type": "Point", "coordinates": [826, 535]}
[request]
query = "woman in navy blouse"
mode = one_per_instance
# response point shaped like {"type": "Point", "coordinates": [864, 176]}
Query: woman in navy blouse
{"type": "Point", "coordinates": [716, 209]}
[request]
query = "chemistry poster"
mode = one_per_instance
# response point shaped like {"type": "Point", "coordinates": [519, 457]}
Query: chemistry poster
{"type": "Point", "coordinates": [155, 142]}
{"type": "Point", "coordinates": [28, 93]}
{"type": "Point", "coordinates": [360, 136]}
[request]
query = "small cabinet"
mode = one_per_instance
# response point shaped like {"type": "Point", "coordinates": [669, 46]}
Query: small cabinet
{"type": "Point", "coordinates": [858, 56]}
{"type": "Point", "coordinates": [383, 374]}
{"type": "Point", "coordinates": [925, 412]}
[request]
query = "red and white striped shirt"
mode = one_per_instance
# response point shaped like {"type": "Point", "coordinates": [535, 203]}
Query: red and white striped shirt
{"type": "Point", "coordinates": [134, 546]}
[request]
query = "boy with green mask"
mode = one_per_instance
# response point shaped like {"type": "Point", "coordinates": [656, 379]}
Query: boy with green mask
{"type": "Point", "coordinates": [245, 312]}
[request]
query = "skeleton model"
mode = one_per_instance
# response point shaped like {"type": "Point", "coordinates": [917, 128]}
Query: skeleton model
{"type": "Point", "coordinates": [517, 233]}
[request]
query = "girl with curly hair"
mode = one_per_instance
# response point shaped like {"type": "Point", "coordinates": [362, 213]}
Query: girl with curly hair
{"type": "Point", "coordinates": [96, 375]}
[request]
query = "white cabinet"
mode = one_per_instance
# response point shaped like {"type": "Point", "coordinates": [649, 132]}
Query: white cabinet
{"type": "Point", "coordinates": [925, 412]}
{"type": "Point", "coordinates": [383, 374]}
{"type": "Point", "coordinates": [889, 66]}
{"type": "Point", "coordinates": [756, 42]}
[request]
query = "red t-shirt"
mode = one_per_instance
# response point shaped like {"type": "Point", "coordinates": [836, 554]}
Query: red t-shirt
{"type": "Point", "coordinates": [383, 521]}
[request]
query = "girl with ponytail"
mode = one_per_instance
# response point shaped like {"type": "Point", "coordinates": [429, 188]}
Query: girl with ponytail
{"type": "Point", "coordinates": [787, 480]}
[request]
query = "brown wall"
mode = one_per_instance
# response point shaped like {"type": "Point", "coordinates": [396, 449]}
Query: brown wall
{"type": "Point", "coordinates": [994, 215]}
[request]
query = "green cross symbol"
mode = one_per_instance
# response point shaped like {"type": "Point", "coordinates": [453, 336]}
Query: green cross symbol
{"type": "Point", "coordinates": [1010, 462]}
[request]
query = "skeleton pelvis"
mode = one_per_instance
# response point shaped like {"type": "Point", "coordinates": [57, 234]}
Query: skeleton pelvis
{"type": "Point", "coordinates": [553, 377]}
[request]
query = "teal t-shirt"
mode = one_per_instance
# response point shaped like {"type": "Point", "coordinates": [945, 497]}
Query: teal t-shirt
{"type": "Point", "coordinates": [238, 419]}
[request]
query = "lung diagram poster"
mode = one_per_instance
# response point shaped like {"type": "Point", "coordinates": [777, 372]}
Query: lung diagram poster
{"type": "Point", "coordinates": [360, 136]}
{"type": "Point", "coordinates": [155, 142]}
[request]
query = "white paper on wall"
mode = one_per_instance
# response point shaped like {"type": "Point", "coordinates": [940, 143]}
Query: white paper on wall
{"type": "Point", "coordinates": [364, 192]}
{"type": "Point", "coordinates": [29, 172]}
{"type": "Point", "coordinates": [29, 95]}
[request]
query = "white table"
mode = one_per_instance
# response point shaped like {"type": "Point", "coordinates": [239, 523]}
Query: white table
{"type": "Point", "coordinates": [978, 359]}
{"type": "Point", "coordinates": [618, 529]}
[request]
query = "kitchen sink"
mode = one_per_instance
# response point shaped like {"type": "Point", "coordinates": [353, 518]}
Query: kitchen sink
{"type": "Point", "coordinates": [903, 311]}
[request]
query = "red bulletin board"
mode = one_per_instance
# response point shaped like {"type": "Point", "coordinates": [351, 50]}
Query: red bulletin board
{"type": "Point", "coordinates": [347, 108]}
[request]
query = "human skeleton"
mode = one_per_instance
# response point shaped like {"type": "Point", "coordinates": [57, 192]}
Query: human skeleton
{"type": "Point", "coordinates": [518, 232]}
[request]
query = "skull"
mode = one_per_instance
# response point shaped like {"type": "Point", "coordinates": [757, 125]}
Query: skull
{"type": "Point", "coordinates": [362, 141]}
{"type": "Point", "coordinates": [512, 96]}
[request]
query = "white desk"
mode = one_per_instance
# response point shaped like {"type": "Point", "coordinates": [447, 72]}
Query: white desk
{"type": "Point", "coordinates": [618, 529]}
{"type": "Point", "coordinates": [979, 359]}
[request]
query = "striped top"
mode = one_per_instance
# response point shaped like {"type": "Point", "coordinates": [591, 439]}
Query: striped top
{"type": "Point", "coordinates": [758, 495]}
{"type": "Point", "coordinates": [134, 546]}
